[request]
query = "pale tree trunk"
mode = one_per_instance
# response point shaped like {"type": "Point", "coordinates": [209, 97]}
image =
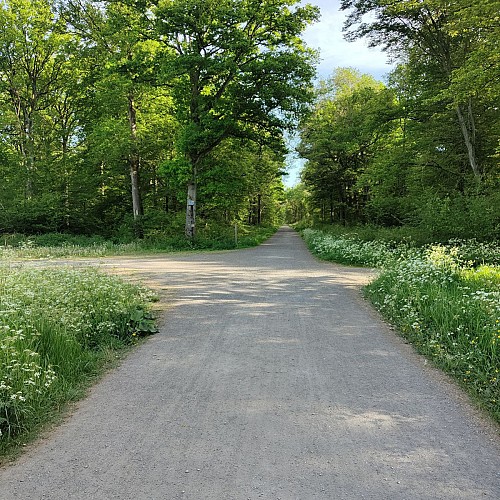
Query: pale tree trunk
{"type": "Point", "coordinates": [29, 155]}
{"type": "Point", "coordinates": [191, 210]}
{"type": "Point", "coordinates": [259, 209]}
{"type": "Point", "coordinates": [190, 229]}
{"type": "Point", "coordinates": [67, 207]}
{"type": "Point", "coordinates": [134, 162]}
{"type": "Point", "coordinates": [467, 126]}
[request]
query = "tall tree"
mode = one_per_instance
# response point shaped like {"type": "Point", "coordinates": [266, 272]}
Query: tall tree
{"type": "Point", "coordinates": [430, 29]}
{"type": "Point", "coordinates": [33, 55]}
{"type": "Point", "coordinates": [127, 63]}
{"type": "Point", "coordinates": [239, 69]}
{"type": "Point", "coordinates": [340, 138]}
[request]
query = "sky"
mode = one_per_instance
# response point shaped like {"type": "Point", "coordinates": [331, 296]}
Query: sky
{"type": "Point", "coordinates": [326, 36]}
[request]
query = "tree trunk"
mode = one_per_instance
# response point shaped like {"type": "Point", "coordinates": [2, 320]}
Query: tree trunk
{"type": "Point", "coordinates": [67, 204]}
{"type": "Point", "coordinates": [191, 210]}
{"type": "Point", "coordinates": [134, 161]}
{"type": "Point", "coordinates": [468, 133]}
{"type": "Point", "coordinates": [29, 149]}
{"type": "Point", "coordinates": [259, 209]}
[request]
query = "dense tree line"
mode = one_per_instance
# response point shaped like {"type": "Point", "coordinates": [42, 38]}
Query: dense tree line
{"type": "Point", "coordinates": [423, 149]}
{"type": "Point", "coordinates": [110, 112]}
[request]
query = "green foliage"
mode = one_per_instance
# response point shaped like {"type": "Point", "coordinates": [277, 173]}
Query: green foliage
{"type": "Point", "coordinates": [459, 216]}
{"type": "Point", "coordinates": [56, 330]}
{"type": "Point", "coordinates": [297, 205]}
{"type": "Point", "coordinates": [451, 314]}
{"type": "Point", "coordinates": [212, 236]}
{"type": "Point", "coordinates": [425, 150]}
{"type": "Point", "coordinates": [370, 245]}
{"type": "Point", "coordinates": [352, 115]}
{"type": "Point", "coordinates": [107, 108]}
{"type": "Point", "coordinates": [442, 43]}
{"type": "Point", "coordinates": [350, 249]}
{"type": "Point", "coordinates": [445, 299]}
{"type": "Point", "coordinates": [239, 70]}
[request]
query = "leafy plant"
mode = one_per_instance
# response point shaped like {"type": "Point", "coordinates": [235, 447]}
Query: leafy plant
{"type": "Point", "coordinates": [445, 299]}
{"type": "Point", "coordinates": [58, 328]}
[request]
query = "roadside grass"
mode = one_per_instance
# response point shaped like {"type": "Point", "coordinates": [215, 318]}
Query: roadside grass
{"type": "Point", "coordinates": [59, 329]}
{"type": "Point", "coordinates": [59, 245]}
{"type": "Point", "coordinates": [361, 247]}
{"type": "Point", "coordinates": [444, 299]}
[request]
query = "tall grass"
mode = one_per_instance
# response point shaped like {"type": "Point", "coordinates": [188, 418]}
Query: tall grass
{"type": "Point", "coordinates": [445, 299]}
{"type": "Point", "coordinates": [56, 245]}
{"type": "Point", "coordinates": [450, 313]}
{"type": "Point", "coordinates": [58, 327]}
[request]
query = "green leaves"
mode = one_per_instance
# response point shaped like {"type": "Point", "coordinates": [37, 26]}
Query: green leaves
{"type": "Point", "coordinates": [241, 61]}
{"type": "Point", "coordinates": [101, 100]}
{"type": "Point", "coordinates": [454, 45]}
{"type": "Point", "coordinates": [353, 115]}
{"type": "Point", "coordinates": [142, 323]}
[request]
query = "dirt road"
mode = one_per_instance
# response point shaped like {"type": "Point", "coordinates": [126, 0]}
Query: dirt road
{"type": "Point", "coordinates": [271, 378]}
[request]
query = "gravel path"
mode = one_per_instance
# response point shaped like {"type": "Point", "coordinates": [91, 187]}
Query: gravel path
{"type": "Point", "coordinates": [271, 379]}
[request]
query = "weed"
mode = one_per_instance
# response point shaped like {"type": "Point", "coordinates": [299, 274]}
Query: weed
{"type": "Point", "coordinates": [55, 245]}
{"type": "Point", "coordinates": [445, 299]}
{"type": "Point", "coordinates": [56, 328]}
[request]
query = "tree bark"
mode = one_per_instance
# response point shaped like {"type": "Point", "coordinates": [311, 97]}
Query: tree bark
{"type": "Point", "coordinates": [259, 209]}
{"type": "Point", "coordinates": [30, 157]}
{"type": "Point", "coordinates": [469, 138]}
{"type": "Point", "coordinates": [134, 161]}
{"type": "Point", "coordinates": [191, 210]}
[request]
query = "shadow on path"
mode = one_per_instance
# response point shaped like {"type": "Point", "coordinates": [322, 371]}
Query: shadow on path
{"type": "Point", "coordinates": [271, 378]}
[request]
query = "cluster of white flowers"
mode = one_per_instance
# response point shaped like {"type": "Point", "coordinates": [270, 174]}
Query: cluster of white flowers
{"type": "Point", "coordinates": [79, 300]}
{"type": "Point", "coordinates": [351, 250]}
{"type": "Point", "coordinates": [44, 309]}
{"type": "Point", "coordinates": [477, 251]}
{"type": "Point", "coordinates": [22, 378]}
{"type": "Point", "coordinates": [444, 298]}
{"type": "Point", "coordinates": [28, 250]}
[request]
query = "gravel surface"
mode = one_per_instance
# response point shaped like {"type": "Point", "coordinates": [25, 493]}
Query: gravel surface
{"type": "Point", "coordinates": [271, 378]}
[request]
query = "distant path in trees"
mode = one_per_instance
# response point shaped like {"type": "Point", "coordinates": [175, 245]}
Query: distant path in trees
{"type": "Point", "coordinates": [270, 378]}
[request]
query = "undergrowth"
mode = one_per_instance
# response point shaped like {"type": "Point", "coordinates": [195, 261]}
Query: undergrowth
{"type": "Point", "coordinates": [445, 299]}
{"type": "Point", "coordinates": [59, 245]}
{"type": "Point", "coordinates": [58, 329]}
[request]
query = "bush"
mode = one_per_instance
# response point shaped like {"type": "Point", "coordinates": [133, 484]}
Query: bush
{"type": "Point", "coordinates": [460, 216]}
{"type": "Point", "coordinates": [210, 236]}
{"type": "Point", "coordinates": [451, 314]}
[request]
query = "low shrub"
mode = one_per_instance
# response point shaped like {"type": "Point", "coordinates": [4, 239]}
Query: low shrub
{"type": "Point", "coordinates": [450, 313]}
{"type": "Point", "coordinates": [57, 245]}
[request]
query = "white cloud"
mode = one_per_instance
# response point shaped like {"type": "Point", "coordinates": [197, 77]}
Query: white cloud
{"type": "Point", "coordinates": [326, 35]}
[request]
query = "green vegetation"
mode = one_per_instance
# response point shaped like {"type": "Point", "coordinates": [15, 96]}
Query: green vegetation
{"type": "Point", "coordinates": [445, 299]}
{"type": "Point", "coordinates": [58, 329]}
{"type": "Point", "coordinates": [111, 111]}
{"type": "Point", "coordinates": [54, 245]}
{"type": "Point", "coordinates": [423, 148]}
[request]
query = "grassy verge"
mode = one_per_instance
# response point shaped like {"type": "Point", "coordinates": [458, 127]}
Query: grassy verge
{"type": "Point", "coordinates": [59, 328]}
{"type": "Point", "coordinates": [445, 299]}
{"type": "Point", "coordinates": [58, 245]}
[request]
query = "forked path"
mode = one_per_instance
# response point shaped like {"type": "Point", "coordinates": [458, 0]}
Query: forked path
{"type": "Point", "coordinates": [271, 378]}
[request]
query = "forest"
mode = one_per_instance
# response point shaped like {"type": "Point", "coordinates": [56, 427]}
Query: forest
{"type": "Point", "coordinates": [423, 149]}
{"type": "Point", "coordinates": [114, 113]}
{"type": "Point", "coordinates": [130, 126]}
